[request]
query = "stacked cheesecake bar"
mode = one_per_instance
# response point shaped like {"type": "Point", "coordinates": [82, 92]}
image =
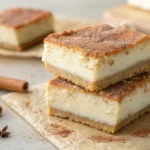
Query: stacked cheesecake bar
{"type": "Point", "coordinates": [91, 65]}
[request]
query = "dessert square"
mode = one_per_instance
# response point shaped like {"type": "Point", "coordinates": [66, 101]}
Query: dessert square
{"type": "Point", "coordinates": [109, 110]}
{"type": "Point", "coordinates": [21, 28]}
{"type": "Point", "coordinates": [129, 15]}
{"type": "Point", "coordinates": [140, 4]}
{"type": "Point", "coordinates": [97, 56]}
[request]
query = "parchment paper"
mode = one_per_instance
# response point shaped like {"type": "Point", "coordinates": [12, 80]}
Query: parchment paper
{"type": "Point", "coordinates": [67, 135]}
{"type": "Point", "coordinates": [61, 24]}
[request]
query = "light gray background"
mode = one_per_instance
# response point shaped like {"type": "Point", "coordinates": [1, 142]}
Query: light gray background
{"type": "Point", "coordinates": [23, 136]}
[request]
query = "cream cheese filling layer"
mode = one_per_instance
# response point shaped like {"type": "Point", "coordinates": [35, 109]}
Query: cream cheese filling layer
{"type": "Point", "coordinates": [98, 108]}
{"type": "Point", "coordinates": [141, 4]}
{"type": "Point", "coordinates": [27, 33]}
{"type": "Point", "coordinates": [92, 69]}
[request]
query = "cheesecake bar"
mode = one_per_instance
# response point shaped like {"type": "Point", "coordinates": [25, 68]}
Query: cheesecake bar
{"type": "Point", "coordinates": [21, 28]}
{"type": "Point", "coordinates": [108, 110]}
{"type": "Point", "coordinates": [133, 16]}
{"type": "Point", "coordinates": [97, 56]}
{"type": "Point", "coordinates": [145, 5]}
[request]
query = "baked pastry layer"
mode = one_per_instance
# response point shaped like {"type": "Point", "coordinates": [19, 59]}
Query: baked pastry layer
{"type": "Point", "coordinates": [130, 16]}
{"type": "Point", "coordinates": [103, 60]}
{"type": "Point", "coordinates": [109, 109]}
{"type": "Point", "coordinates": [21, 26]}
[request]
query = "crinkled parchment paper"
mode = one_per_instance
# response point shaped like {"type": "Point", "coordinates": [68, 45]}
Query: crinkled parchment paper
{"type": "Point", "coordinates": [67, 135]}
{"type": "Point", "coordinates": [61, 24]}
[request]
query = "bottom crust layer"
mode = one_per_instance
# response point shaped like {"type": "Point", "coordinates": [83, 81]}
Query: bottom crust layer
{"type": "Point", "coordinates": [99, 85]}
{"type": "Point", "coordinates": [98, 125]}
{"type": "Point", "coordinates": [25, 45]}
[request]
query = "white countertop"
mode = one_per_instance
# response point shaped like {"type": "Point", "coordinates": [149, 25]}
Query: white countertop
{"type": "Point", "coordinates": [23, 136]}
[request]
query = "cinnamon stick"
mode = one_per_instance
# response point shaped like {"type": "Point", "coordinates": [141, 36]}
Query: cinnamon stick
{"type": "Point", "coordinates": [1, 110]}
{"type": "Point", "coordinates": [12, 84]}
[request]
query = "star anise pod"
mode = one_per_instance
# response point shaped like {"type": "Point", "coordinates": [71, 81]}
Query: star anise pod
{"type": "Point", "coordinates": [3, 132]}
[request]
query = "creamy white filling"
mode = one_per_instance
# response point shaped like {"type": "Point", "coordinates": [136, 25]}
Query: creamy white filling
{"type": "Point", "coordinates": [98, 108]}
{"type": "Point", "coordinates": [91, 69]}
{"type": "Point", "coordinates": [138, 100]}
{"type": "Point", "coordinates": [140, 3]}
{"type": "Point", "coordinates": [8, 35]}
{"type": "Point", "coordinates": [26, 33]}
{"type": "Point", "coordinates": [85, 105]}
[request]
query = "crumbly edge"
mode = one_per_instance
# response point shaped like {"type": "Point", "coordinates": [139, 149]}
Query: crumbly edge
{"type": "Point", "coordinates": [99, 85]}
{"type": "Point", "coordinates": [98, 125]}
{"type": "Point", "coordinates": [24, 46]}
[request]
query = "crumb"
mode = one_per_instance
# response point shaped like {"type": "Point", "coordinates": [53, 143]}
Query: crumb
{"type": "Point", "coordinates": [141, 133]}
{"type": "Point", "coordinates": [56, 129]}
{"type": "Point", "coordinates": [127, 52]}
{"type": "Point", "coordinates": [54, 125]}
{"type": "Point", "coordinates": [40, 111]}
{"type": "Point", "coordinates": [99, 138]}
{"type": "Point", "coordinates": [146, 89]}
{"type": "Point", "coordinates": [35, 111]}
{"type": "Point", "coordinates": [111, 62]}
{"type": "Point", "coordinates": [32, 75]}
{"type": "Point", "coordinates": [27, 104]}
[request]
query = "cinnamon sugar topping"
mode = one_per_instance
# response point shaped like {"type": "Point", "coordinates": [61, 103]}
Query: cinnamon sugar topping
{"type": "Point", "coordinates": [99, 40]}
{"type": "Point", "coordinates": [18, 17]}
{"type": "Point", "coordinates": [114, 92]}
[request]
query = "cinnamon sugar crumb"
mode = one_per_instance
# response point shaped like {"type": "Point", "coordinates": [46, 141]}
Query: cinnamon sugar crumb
{"type": "Point", "coordinates": [32, 75]}
{"type": "Point", "coordinates": [127, 52]}
{"type": "Point", "coordinates": [40, 111]}
{"type": "Point", "coordinates": [27, 104]}
{"type": "Point", "coordinates": [111, 62]}
{"type": "Point", "coordinates": [54, 125]}
{"type": "Point", "coordinates": [142, 133]}
{"type": "Point", "coordinates": [63, 133]}
{"type": "Point", "coordinates": [146, 89]}
{"type": "Point", "coordinates": [100, 138]}
{"type": "Point", "coordinates": [56, 129]}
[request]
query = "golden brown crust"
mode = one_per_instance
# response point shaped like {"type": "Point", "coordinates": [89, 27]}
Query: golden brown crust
{"type": "Point", "coordinates": [111, 80]}
{"type": "Point", "coordinates": [98, 125]}
{"type": "Point", "coordinates": [24, 46]}
{"type": "Point", "coordinates": [18, 17]}
{"type": "Point", "coordinates": [115, 92]}
{"type": "Point", "coordinates": [99, 40]}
